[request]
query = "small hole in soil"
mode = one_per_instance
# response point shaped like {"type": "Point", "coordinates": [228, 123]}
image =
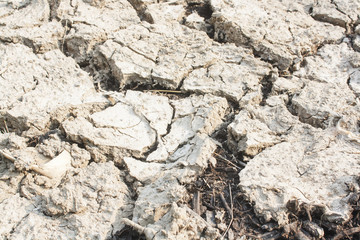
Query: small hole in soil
{"type": "Point", "coordinates": [203, 9]}
{"type": "Point", "coordinates": [127, 233]}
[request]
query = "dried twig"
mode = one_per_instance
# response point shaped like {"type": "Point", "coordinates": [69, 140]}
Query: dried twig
{"type": "Point", "coordinates": [347, 133]}
{"type": "Point", "coordinates": [231, 212]}
{"type": "Point", "coordinates": [6, 127]}
{"type": "Point", "coordinates": [64, 35]}
{"type": "Point", "coordinates": [206, 183]}
{"type": "Point", "coordinates": [7, 156]}
{"type": "Point", "coordinates": [198, 217]}
{"type": "Point", "coordinates": [228, 161]}
{"type": "Point", "coordinates": [166, 91]}
{"type": "Point", "coordinates": [37, 169]}
{"type": "Point", "coordinates": [228, 209]}
{"type": "Point", "coordinates": [196, 202]}
{"type": "Point", "coordinates": [140, 229]}
{"type": "Point", "coordinates": [3, 70]}
{"type": "Point", "coordinates": [347, 232]}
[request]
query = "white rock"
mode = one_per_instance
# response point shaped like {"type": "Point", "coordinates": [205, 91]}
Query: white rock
{"type": "Point", "coordinates": [192, 159]}
{"type": "Point", "coordinates": [356, 43]}
{"type": "Point", "coordinates": [292, 86]}
{"type": "Point", "coordinates": [41, 39]}
{"type": "Point", "coordinates": [326, 11]}
{"type": "Point", "coordinates": [164, 12]}
{"type": "Point", "coordinates": [196, 22]}
{"type": "Point", "coordinates": [275, 114]}
{"type": "Point", "coordinates": [127, 65]}
{"type": "Point", "coordinates": [91, 22]}
{"type": "Point", "coordinates": [350, 7]}
{"type": "Point", "coordinates": [355, 82]}
{"type": "Point", "coordinates": [57, 166]}
{"type": "Point", "coordinates": [182, 223]}
{"type": "Point", "coordinates": [184, 166]}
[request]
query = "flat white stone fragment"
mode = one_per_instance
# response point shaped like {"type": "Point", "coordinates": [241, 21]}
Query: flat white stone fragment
{"type": "Point", "coordinates": [142, 171]}
{"type": "Point", "coordinates": [56, 167]}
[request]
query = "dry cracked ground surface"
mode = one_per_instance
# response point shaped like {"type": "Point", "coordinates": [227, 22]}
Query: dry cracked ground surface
{"type": "Point", "coordinates": [179, 119]}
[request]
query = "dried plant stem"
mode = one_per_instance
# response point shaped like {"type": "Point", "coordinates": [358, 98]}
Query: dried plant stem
{"type": "Point", "coordinates": [231, 212]}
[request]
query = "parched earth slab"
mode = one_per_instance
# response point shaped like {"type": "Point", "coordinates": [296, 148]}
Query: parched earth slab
{"type": "Point", "coordinates": [320, 104]}
{"type": "Point", "coordinates": [33, 86]}
{"type": "Point", "coordinates": [226, 77]}
{"type": "Point", "coordinates": [114, 132]}
{"type": "Point", "coordinates": [333, 63]}
{"type": "Point", "coordinates": [249, 135]}
{"type": "Point", "coordinates": [172, 55]}
{"type": "Point", "coordinates": [40, 39]}
{"type": "Point", "coordinates": [256, 128]}
{"type": "Point", "coordinates": [279, 32]}
{"type": "Point", "coordinates": [10, 218]}
{"type": "Point", "coordinates": [329, 11]}
{"type": "Point", "coordinates": [181, 223]}
{"type": "Point", "coordinates": [338, 64]}
{"type": "Point", "coordinates": [95, 195]}
{"type": "Point", "coordinates": [27, 22]}
{"type": "Point", "coordinates": [29, 13]}
{"type": "Point", "coordinates": [156, 109]}
{"type": "Point", "coordinates": [160, 11]}
{"type": "Point", "coordinates": [160, 54]}
{"type": "Point", "coordinates": [319, 166]}
{"type": "Point", "coordinates": [184, 166]}
{"type": "Point", "coordinates": [90, 22]}
{"type": "Point", "coordinates": [193, 115]}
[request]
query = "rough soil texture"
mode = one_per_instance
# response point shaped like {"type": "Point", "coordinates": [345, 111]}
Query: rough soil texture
{"type": "Point", "coordinates": [179, 119]}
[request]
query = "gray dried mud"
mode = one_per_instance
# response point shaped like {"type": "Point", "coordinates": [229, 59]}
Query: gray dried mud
{"type": "Point", "coordinates": [110, 109]}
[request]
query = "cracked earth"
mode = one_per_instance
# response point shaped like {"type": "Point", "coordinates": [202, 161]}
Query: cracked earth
{"type": "Point", "coordinates": [179, 119]}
